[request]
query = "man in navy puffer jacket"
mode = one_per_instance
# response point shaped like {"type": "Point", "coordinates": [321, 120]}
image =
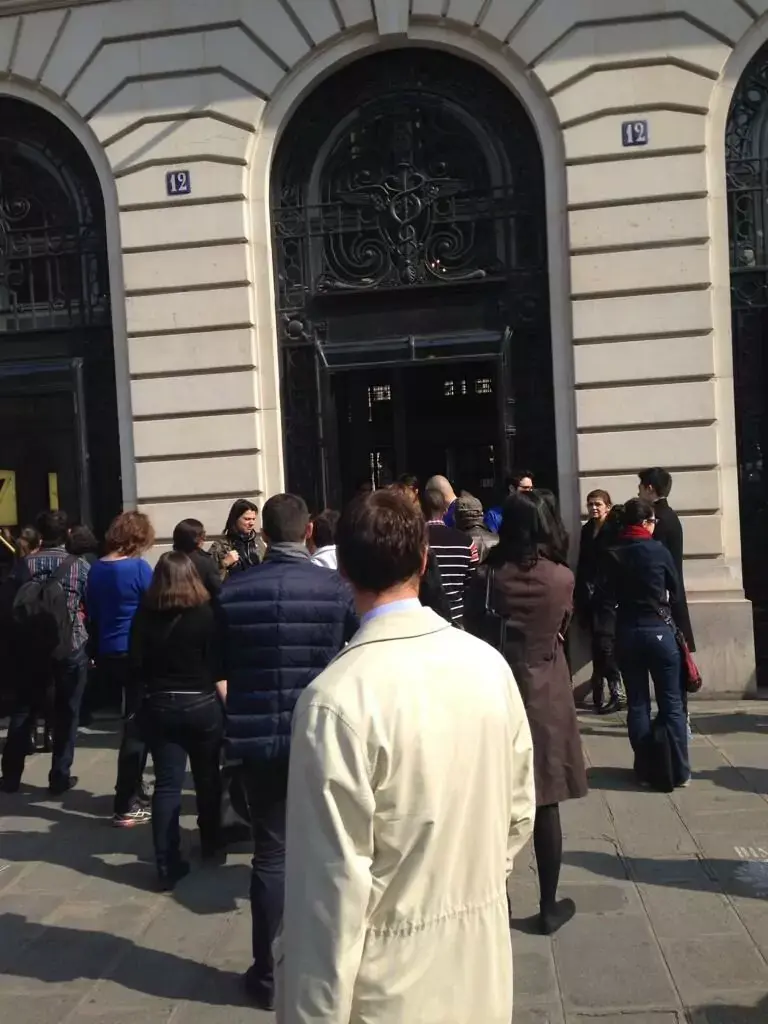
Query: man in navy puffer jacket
{"type": "Point", "coordinates": [283, 622]}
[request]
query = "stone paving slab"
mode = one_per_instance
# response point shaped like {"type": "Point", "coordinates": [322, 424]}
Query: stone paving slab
{"type": "Point", "coordinates": [671, 895]}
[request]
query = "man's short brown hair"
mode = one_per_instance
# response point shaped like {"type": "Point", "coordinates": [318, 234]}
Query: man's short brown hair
{"type": "Point", "coordinates": [380, 541]}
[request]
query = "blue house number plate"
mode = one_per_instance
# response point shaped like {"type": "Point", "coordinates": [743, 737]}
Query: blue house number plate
{"type": "Point", "coordinates": [178, 183]}
{"type": "Point", "coordinates": [634, 133]}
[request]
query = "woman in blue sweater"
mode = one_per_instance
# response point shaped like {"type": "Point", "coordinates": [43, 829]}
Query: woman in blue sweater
{"type": "Point", "coordinates": [116, 585]}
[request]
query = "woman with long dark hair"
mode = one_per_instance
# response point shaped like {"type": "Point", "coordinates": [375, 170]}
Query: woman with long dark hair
{"type": "Point", "coordinates": [521, 601]}
{"type": "Point", "coordinates": [240, 545]}
{"type": "Point", "coordinates": [637, 586]}
{"type": "Point", "coordinates": [189, 538]}
{"type": "Point", "coordinates": [175, 656]}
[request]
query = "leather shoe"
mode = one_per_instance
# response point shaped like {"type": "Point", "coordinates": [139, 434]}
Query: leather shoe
{"type": "Point", "coordinates": [58, 787]}
{"type": "Point", "coordinates": [261, 993]}
{"type": "Point", "coordinates": [168, 877]}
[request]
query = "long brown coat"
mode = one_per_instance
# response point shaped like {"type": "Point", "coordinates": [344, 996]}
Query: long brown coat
{"type": "Point", "coordinates": [537, 604]}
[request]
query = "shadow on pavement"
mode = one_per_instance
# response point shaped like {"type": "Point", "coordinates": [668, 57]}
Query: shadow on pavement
{"type": "Point", "coordinates": [734, 877]}
{"type": "Point", "coordinates": [723, 723]}
{"type": "Point", "coordinates": [79, 838]}
{"type": "Point", "coordinates": [61, 955]}
{"type": "Point", "coordinates": [738, 779]}
{"type": "Point", "coordinates": [725, 1014]}
{"type": "Point", "coordinates": [613, 779]}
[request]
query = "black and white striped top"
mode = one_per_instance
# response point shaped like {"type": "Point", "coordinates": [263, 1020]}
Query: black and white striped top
{"type": "Point", "coordinates": [456, 557]}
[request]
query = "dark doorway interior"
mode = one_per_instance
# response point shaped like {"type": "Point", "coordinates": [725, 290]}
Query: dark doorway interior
{"type": "Point", "coordinates": [418, 419]}
{"type": "Point", "coordinates": [408, 213]}
{"type": "Point", "coordinates": [58, 404]}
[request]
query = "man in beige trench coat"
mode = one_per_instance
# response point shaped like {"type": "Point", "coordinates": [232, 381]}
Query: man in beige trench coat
{"type": "Point", "coordinates": [410, 792]}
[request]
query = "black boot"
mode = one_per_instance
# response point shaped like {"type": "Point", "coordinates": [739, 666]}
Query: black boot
{"type": "Point", "coordinates": [169, 874]}
{"type": "Point", "coordinates": [617, 700]}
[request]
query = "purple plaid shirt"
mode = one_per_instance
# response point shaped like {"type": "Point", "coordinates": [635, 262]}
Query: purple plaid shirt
{"type": "Point", "coordinates": [44, 563]}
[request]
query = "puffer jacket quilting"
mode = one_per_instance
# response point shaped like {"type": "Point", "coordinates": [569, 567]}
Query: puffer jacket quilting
{"type": "Point", "coordinates": [283, 621]}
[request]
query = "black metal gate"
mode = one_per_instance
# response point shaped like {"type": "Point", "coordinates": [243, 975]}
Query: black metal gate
{"type": "Point", "coordinates": [408, 209]}
{"type": "Point", "coordinates": [55, 311]}
{"type": "Point", "coordinates": [747, 184]}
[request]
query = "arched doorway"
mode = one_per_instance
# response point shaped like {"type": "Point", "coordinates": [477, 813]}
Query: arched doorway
{"type": "Point", "coordinates": [58, 416]}
{"type": "Point", "coordinates": [747, 187]}
{"type": "Point", "coordinates": [409, 236]}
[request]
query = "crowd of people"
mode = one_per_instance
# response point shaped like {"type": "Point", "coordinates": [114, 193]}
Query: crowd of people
{"type": "Point", "coordinates": [369, 672]}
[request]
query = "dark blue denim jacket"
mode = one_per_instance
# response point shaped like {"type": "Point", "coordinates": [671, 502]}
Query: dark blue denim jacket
{"type": "Point", "coordinates": [636, 580]}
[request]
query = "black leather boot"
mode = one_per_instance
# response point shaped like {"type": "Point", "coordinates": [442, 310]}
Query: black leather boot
{"type": "Point", "coordinates": [617, 700]}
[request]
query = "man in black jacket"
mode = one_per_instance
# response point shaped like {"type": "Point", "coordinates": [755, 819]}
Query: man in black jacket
{"type": "Point", "coordinates": [655, 485]}
{"type": "Point", "coordinates": [283, 622]}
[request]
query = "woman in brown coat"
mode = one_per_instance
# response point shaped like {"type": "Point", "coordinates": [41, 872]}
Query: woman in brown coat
{"type": "Point", "coordinates": [521, 601]}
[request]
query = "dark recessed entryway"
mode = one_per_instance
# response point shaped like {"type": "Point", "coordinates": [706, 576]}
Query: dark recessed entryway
{"type": "Point", "coordinates": [58, 412]}
{"type": "Point", "coordinates": [410, 251]}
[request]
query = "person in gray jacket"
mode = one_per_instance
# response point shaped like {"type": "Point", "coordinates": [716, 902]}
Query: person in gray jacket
{"type": "Point", "coordinates": [469, 517]}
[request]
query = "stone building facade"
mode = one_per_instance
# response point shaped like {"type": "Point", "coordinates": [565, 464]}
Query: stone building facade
{"type": "Point", "coordinates": [635, 240]}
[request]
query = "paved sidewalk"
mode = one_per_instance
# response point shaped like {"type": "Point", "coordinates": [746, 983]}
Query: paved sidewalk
{"type": "Point", "coordinates": [672, 894]}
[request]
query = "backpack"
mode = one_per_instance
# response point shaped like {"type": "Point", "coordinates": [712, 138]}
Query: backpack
{"type": "Point", "coordinates": [42, 621]}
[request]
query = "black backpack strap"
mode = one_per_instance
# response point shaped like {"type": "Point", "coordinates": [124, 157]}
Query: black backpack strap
{"type": "Point", "coordinates": [62, 569]}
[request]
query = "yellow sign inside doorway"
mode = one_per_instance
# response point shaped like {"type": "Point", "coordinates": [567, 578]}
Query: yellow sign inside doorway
{"type": "Point", "coordinates": [53, 492]}
{"type": "Point", "coordinates": [9, 512]}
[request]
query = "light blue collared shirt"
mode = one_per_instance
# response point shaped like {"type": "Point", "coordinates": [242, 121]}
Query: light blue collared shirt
{"type": "Point", "coordinates": [408, 604]}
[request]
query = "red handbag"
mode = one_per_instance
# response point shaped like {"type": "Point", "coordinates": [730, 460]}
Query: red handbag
{"type": "Point", "coordinates": [690, 672]}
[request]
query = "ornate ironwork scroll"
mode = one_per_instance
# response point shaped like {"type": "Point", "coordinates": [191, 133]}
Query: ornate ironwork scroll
{"type": "Point", "coordinates": [53, 267]}
{"type": "Point", "coordinates": [747, 187]}
{"type": "Point", "coordinates": [407, 177]}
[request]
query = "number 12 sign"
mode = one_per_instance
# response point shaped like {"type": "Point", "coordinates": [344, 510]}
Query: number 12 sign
{"type": "Point", "coordinates": [634, 133]}
{"type": "Point", "coordinates": [178, 183]}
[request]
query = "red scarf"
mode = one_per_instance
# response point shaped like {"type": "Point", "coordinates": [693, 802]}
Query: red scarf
{"type": "Point", "coordinates": [635, 533]}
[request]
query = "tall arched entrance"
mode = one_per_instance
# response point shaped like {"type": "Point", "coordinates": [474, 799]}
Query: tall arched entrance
{"type": "Point", "coordinates": [58, 417]}
{"type": "Point", "coordinates": [409, 234]}
{"type": "Point", "coordinates": [747, 186]}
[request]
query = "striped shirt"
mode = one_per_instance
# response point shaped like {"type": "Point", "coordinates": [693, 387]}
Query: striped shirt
{"type": "Point", "coordinates": [456, 557]}
{"type": "Point", "coordinates": [44, 563]}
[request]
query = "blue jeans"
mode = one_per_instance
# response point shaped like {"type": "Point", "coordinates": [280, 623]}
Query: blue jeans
{"type": "Point", "coordinates": [653, 649]}
{"type": "Point", "coordinates": [69, 679]}
{"type": "Point", "coordinates": [177, 725]}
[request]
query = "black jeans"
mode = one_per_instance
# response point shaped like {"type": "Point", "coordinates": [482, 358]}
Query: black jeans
{"type": "Point", "coordinates": [266, 785]}
{"type": "Point", "coordinates": [132, 757]}
{"type": "Point", "coordinates": [69, 677]}
{"type": "Point", "coordinates": [177, 726]}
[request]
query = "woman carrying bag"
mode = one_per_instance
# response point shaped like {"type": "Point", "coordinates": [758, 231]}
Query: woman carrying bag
{"type": "Point", "coordinates": [637, 583]}
{"type": "Point", "coordinates": [174, 654]}
{"type": "Point", "coordinates": [521, 602]}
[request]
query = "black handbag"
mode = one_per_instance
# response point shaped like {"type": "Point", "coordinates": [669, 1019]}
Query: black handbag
{"type": "Point", "coordinates": [654, 762]}
{"type": "Point", "coordinates": [495, 625]}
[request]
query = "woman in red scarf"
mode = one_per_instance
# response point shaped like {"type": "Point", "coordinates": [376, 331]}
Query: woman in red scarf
{"type": "Point", "coordinates": [638, 582]}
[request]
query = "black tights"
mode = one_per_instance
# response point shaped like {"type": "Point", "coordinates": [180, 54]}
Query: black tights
{"type": "Point", "coordinates": [548, 846]}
